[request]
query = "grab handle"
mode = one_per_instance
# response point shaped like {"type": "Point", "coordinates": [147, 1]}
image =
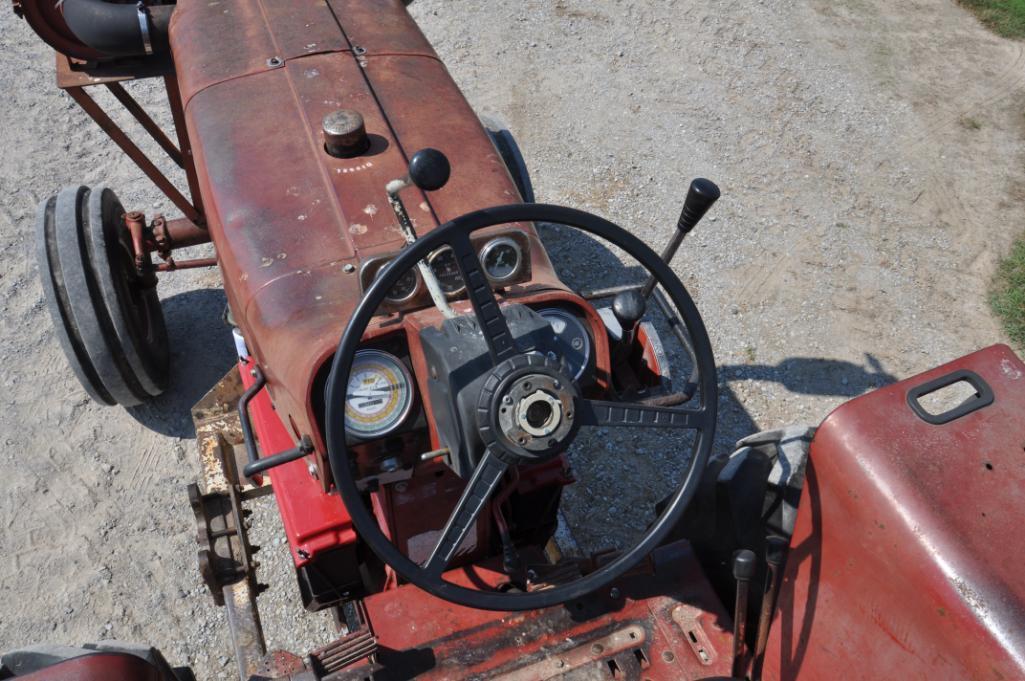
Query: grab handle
{"type": "Point", "coordinates": [983, 397]}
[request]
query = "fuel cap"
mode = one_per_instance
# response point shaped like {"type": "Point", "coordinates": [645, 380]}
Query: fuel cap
{"type": "Point", "coordinates": [345, 135]}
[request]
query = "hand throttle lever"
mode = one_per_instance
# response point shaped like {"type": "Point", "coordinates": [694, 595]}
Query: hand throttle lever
{"type": "Point", "coordinates": [429, 171]}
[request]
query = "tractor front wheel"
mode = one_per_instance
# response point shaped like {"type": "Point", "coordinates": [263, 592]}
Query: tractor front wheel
{"type": "Point", "coordinates": [106, 314]}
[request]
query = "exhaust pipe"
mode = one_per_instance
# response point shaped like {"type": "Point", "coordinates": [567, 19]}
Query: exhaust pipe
{"type": "Point", "coordinates": [119, 30]}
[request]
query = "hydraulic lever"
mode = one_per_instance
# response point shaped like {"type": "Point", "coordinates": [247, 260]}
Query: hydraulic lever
{"type": "Point", "coordinates": [429, 170]}
{"type": "Point", "coordinates": [744, 564]}
{"type": "Point", "coordinates": [775, 552]}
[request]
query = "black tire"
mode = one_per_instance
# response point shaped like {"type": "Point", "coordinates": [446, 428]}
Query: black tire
{"type": "Point", "coordinates": [511, 155]}
{"type": "Point", "coordinates": [131, 303]}
{"type": "Point", "coordinates": [108, 320]}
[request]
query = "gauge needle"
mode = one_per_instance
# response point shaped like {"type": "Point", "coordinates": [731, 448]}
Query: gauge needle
{"type": "Point", "coordinates": [384, 390]}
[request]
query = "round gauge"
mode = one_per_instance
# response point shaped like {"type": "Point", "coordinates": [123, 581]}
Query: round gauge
{"type": "Point", "coordinates": [502, 258]}
{"type": "Point", "coordinates": [404, 289]}
{"type": "Point", "coordinates": [572, 342]}
{"type": "Point", "coordinates": [445, 267]}
{"type": "Point", "coordinates": [379, 396]}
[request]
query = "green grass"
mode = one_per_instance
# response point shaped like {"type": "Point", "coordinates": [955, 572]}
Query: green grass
{"type": "Point", "coordinates": [1008, 297]}
{"type": "Point", "coordinates": [1006, 17]}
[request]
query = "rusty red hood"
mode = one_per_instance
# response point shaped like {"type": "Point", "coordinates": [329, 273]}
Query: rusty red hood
{"type": "Point", "coordinates": [257, 77]}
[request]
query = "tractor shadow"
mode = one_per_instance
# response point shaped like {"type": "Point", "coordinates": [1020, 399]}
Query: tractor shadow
{"type": "Point", "coordinates": [585, 262]}
{"type": "Point", "coordinates": [202, 351]}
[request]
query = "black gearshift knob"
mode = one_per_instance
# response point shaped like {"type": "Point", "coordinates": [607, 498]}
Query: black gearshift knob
{"type": "Point", "coordinates": [700, 197]}
{"type": "Point", "coordinates": [429, 169]}
{"type": "Point", "coordinates": [628, 307]}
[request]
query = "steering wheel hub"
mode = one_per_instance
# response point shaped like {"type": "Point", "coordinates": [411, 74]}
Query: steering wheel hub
{"type": "Point", "coordinates": [538, 414]}
{"type": "Point", "coordinates": [526, 411]}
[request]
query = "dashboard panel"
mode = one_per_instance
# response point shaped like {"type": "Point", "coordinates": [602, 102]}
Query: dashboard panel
{"type": "Point", "coordinates": [505, 258]}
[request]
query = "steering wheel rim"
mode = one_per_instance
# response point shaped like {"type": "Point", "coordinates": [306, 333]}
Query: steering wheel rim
{"type": "Point", "coordinates": [456, 233]}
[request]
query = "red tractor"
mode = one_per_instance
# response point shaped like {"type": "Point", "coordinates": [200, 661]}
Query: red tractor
{"type": "Point", "coordinates": [413, 376]}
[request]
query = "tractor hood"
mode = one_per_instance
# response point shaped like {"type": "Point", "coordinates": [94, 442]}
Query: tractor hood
{"type": "Point", "coordinates": [291, 222]}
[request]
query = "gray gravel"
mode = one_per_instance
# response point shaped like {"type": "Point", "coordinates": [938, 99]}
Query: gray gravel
{"type": "Point", "coordinates": [870, 155]}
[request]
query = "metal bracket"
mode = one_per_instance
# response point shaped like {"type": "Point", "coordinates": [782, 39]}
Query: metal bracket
{"type": "Point", "coordinates": [225, 555]}
{"type": "Point", "coordinates": [147, 44]}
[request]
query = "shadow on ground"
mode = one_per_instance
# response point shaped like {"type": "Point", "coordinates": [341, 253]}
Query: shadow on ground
{"type": "Point", "coordinates": [202, 351]}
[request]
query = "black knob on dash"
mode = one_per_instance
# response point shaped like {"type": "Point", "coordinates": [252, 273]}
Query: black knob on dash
{"type": "Point", "coordinates": [429, 169]}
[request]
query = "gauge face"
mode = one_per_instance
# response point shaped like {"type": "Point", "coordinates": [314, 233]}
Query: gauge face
{"type": "Point", "coordinates": [379, 396]}
{"type": "Point", "coordinates": [446, 269]}
{"type": "Point", "coordinates": [573, 343]}
{"type": "Point", "coordinates": [405, 288]}
{"type": "Point", "coordinates": [502, 258]}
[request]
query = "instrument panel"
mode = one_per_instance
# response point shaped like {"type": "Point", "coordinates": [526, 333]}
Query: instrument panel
{"type": "Point", "coordinates": [505, 259]}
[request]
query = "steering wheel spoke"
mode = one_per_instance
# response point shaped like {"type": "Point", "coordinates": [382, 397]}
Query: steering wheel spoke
{"type": "Point", "coordinates": [501, 344]}
{"type": "Point", "coordinates": [478, 490]}
{"type": "Point", "coordinates": [606, 413]}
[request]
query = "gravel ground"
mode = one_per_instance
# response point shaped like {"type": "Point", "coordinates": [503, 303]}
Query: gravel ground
{"type": "Point", "coordinates": [870, 155]}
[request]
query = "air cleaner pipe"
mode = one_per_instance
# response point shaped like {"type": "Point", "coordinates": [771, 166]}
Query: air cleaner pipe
{"type": "Point", "coordinates": [119, 30]}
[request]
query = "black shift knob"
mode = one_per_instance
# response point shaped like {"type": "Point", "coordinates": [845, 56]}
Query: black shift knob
{"type": "Point", "coordinates": [700, 197]}
{"type": "Point", "coordinates": [744, 565]}
{"type": "Point", "coordinates": [429, 169]}
{"type": "Point", "coordinates": [628, 307]}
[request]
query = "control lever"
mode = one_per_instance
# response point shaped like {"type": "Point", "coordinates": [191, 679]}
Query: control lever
{"type": "Point", "coordinates": [744, 564]}
{"type": "Point", "coordinates": [628, 307]}
{"type": "Point", "coordinates": [775, 550]}
{"type": "Point", "coordinates": [429, 171]}
{"type": "Point", "coordinates": [700, 197]}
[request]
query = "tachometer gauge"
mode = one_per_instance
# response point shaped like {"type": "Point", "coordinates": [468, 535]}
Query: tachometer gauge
{"type": "Point", "coordinates": [446, 269]}
{"type": "Point", "coordinates": [502, 259]}
{"type": "Point", "coordinates": [404, 289]}
{"type": "Point", "coordinates": [379, 396]}
{"type": "Point", "coordinates": [572, 342]}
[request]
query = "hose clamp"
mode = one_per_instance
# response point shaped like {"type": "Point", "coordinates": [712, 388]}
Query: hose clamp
{"type": "Point", "coordinates": [147, 45]}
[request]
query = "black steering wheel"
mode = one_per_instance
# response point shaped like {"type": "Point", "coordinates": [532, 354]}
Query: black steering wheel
{"type": "Point", "coordinates": [512, 370]}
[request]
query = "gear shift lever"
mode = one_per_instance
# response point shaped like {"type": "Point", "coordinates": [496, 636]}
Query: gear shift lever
{"type": "Point", "coordinates": [700, 197]}
{"type": "Point", "coordinates": [628, 308]}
